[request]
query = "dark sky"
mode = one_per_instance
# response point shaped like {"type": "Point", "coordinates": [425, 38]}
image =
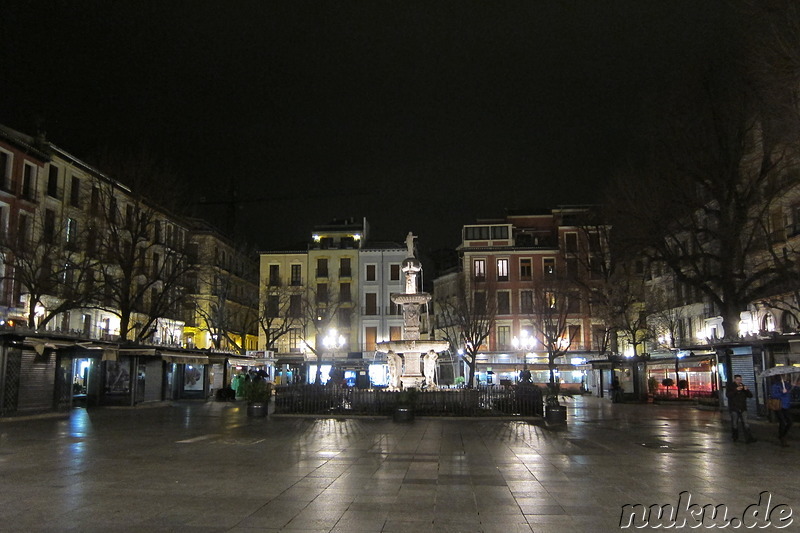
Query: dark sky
{"type": "Point", "coordinates": [421, 116]}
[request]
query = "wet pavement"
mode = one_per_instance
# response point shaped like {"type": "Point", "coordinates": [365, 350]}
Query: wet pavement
{"type": "Point", "coordinates": [195, 466]}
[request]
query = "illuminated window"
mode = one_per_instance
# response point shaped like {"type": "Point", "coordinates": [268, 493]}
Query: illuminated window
{"type": "Point", "coordinates": [549, 266]}
{"type": "Point", "coordinates": [370, 338]}
{"type": "Point", "coordinates": [502, 270]}
{"type": "Point", "coordinates": [71, 230]}
{"type": "Point", "coordinates": [479, 269]}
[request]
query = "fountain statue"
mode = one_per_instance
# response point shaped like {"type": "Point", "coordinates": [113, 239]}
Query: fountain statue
{"type": "Point", "coordinates": [403, 356]}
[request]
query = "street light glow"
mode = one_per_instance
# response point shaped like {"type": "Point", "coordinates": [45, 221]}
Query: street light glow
{"type": "Point", "coordinates": [525, 341]}
{"type": "Point", "coordinates": [333, 340]}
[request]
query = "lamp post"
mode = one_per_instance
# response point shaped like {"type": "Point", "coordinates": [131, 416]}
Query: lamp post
{"type": "Point", "coordinates": [525, 342]}
{"type": "Point", "coordinates": [332, 342]}
{"type": "Point", "coordinates": [678, 357]}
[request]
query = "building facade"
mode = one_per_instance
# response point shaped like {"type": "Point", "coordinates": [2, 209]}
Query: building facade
{"type": "Point", "coordinates": [328, 305]}
{"type": "Point", "coordinates": [94, 287]}
{"type": "Point", "coordinates": [509, 265]}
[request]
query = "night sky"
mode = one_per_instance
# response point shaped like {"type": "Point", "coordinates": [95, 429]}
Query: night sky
{"type": "Point", "coordinates": [421, 116]}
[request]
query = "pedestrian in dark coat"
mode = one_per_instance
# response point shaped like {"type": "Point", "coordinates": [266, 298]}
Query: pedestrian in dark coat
{"type": "Point", "coordinates": [738, 393]}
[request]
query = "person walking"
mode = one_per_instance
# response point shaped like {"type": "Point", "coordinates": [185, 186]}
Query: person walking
{"type": "Point", "coordinates": [738, 393]}
{"type": "Point", "coordinates": [782, 391]}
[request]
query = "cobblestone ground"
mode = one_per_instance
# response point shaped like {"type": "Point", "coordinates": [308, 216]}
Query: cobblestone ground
{"type": "Point", "coordinates": [195, 466]}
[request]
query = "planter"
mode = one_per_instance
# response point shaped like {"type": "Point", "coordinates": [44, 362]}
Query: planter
{"type": "Point", "coordinates": [257, 409]}
{"type": "Point", "coordinates": [403, 414]}
{"type": "Point", "coordinates": [555, 414]}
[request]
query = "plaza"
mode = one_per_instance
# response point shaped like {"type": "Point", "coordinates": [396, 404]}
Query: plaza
{"type": "Point", "coordinates": [205, 466]}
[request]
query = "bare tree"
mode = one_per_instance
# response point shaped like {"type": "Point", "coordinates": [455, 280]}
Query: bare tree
{"type": "Point", "coordinates": [321, 312]}
{"type": "Point", "coordinates": [143, 251]}
{"type": "Point", "coordinates": [554, 303]}
{"type": "Point", "coordinates": [712, 188]}
{"type": "Point", "coordinates": [280, 311]}
{"type": "Point", "coordinates": [466, 318]}
{"type": "Point", "coordinates": [45, 259]}
{"type": "Point", "coordinates": [613, 277]}
{"type": "Point", "coordinates": [225, 311]}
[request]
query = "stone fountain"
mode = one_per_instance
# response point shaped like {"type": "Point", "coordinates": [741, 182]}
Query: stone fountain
{"type": "Point", "coordinates": [404, 356]}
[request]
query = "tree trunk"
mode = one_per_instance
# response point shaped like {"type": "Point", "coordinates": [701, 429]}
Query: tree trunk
{"type": "Point", "coordinates": [32, 317]}
{"type": "Point", "coordinates": [318, 376]}
{"type": "Point", "coordinates": [471, 366]}
{"type": "Point", "coordinates": [124, 322]}
{"type": "Point", "coordinates": [731, 316]}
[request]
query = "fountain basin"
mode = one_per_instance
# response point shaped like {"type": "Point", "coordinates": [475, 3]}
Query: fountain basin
{"type": "Point", "coordinates": [407, 346]}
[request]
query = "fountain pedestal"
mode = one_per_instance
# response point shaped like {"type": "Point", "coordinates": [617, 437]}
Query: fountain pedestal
{"type": "Point", "coordinates": [404, 356]}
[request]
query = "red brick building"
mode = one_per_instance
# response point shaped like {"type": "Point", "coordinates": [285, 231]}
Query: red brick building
{"type": "Point", "coordinates": [507, 261]}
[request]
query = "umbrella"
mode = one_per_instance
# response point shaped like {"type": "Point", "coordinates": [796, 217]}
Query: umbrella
{"type": "Point", "coordinates": [778, 370]}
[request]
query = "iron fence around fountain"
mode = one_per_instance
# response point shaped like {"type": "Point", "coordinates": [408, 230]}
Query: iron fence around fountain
{"type": "Point", "coordinates": [492, 401]}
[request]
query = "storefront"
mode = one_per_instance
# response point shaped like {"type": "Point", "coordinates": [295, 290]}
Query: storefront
{"type": "Point", "coordinates": [691, 375]}
{"type": "Point", "coordinates": [186, 376]}
{"type": "Point", "coordinates": [504, 374]}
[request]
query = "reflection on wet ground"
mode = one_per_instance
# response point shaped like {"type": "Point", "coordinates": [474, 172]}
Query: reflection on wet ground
{"type": "Point", "coordinates": [207, 467]}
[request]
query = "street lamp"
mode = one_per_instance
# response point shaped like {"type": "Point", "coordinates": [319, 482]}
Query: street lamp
{"type": "Point", "coordinates": [333, 341]}
{"type": "Point", "coordinates": [525, 342]}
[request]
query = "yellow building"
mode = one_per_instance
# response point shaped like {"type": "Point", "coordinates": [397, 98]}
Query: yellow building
{"type": "Point", "coordinates": [222, 311]}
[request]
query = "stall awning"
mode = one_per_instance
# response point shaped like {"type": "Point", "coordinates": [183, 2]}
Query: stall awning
{"type": "Point", "coordinates": [186, 359]}
{"type": "Point", "coordinates": [512, 367]}
{"type": "Point", "coordinates": [242, 361]}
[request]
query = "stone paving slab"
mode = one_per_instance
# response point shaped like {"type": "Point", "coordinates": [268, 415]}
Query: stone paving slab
{"type": "Point", "coordinates": [207, 467]}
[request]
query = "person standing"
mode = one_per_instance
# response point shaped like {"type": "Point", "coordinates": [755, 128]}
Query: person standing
{"type": "Point", "coordinates": [738, 393]}
{"type": "Point", "coordinates": [617, 391]}
{"type": "Point", "coordinates": [782, 391]}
